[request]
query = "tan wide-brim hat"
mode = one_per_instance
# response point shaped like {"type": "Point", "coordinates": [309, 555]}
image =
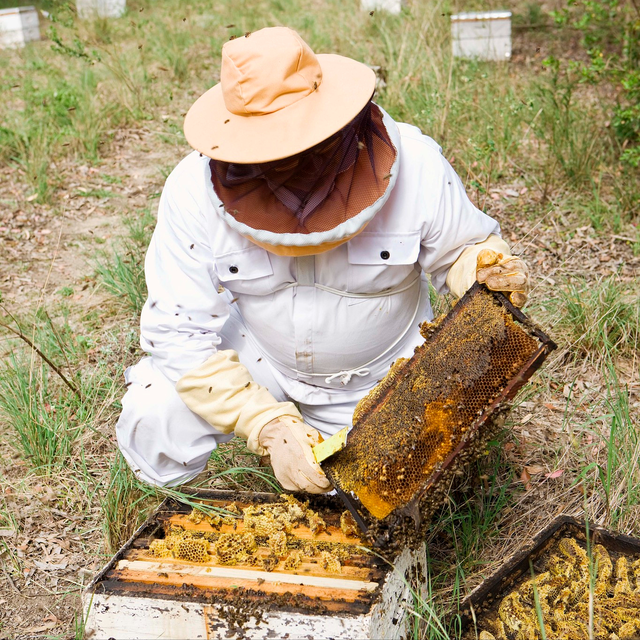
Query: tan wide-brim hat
{"type": "Point", "coordinates": [275, 99]}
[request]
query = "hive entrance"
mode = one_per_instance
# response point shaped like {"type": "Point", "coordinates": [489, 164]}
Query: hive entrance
{"type": "Point", "coordinates": [428, 409]}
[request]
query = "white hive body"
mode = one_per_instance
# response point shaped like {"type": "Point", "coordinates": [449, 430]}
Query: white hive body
{"type": "Point", "coordinates": [18, 26]}
{"type": "Point", "coordinates": [484, 36]}
{"type": "Point", "coordinates": [88, 9]}
{"type": "Point", "coordinates": [390, 6]}
{"type": "Point", "coordinates": [146, 593]}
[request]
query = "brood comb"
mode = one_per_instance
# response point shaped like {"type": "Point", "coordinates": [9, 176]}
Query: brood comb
{"type": "Point", "coordinates": [433, 413]}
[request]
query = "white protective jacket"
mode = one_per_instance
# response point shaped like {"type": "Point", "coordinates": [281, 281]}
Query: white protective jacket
{"type": "Point", "coordinates": [327, 326]}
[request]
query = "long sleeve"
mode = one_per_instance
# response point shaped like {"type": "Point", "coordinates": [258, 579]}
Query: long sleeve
{"type": "Point", "coordinates": [184, 315]}
{"type": "Point", "coordinates": [454, 224]}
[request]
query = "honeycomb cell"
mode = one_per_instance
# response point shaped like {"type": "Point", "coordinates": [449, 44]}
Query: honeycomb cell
{"type": "Point", "coordinates": [159, 549]}
{"type": "Point", "coordinates": [234, 548]}
{"type": "Point", "coordinates": [565, 592]}
{"type": "Point", "coordinates": [348, 525]}
{"type": "Point", "coordinates": [277, 542]}
{"type": "Point", "coordinates": [196, 516]}
{"type": "Point", "coordinates": [410, 426]}
{"type": "Point", "coordinates": [192, 549]}
{"type": "Point", "coordinates": [293, 561]}
{"type": "Point", "coordinates": [330, 562]}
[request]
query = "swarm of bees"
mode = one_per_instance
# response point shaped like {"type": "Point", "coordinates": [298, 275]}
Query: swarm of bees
{"type": "Point", "coordinates": [265, 539]}
{"type": "Point", "coordinates": [561, 597]}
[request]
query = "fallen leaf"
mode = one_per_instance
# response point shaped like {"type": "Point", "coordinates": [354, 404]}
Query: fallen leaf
{"type": "Point", "coordinates": [7, 533]}
{"type": "Point", "coordinates": [550, 406]}
{"type": "Point", "coordinates": [535, 469]}
{"type": "Point", "coordinates": [554, 474]}
{"type": "Point", "coordinates": [510, 446]}
{"type": "Point", "coordinates": [525, 478]}
{"type": "Point", "coordinates": [32, 197]}
{"type": "Point", "coordinates": [526, 418]}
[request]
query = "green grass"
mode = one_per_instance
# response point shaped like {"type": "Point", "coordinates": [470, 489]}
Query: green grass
{"type": "Point", "coordinates": [122, 269]}
{"type": "Point", "coordinates": [601, 317]}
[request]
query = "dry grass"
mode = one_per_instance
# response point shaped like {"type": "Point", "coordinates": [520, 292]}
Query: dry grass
{"type": "Point", "coordinates": [87, 135]}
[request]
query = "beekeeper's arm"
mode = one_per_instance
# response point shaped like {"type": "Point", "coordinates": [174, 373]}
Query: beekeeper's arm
{"type": "Point", "coordinates": [461, 244]}
{"type": "Point", "coordinates": [180, 327]}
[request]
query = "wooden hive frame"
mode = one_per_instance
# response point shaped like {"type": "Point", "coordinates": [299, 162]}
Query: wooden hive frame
{"type": "Point", "coordinates": [138, 595]}
{"type": "Point", "coordinates": [518, 567]}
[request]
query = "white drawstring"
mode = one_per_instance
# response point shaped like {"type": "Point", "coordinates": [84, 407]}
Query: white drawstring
{"type": "Point", "coordinates": [345, 376]}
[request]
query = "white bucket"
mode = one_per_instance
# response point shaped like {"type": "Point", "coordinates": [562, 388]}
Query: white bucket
{"type": "Point", "coordinates": [484, 36]}
{"type": "Point", "coordinates": [18, 26]}
{"type": "Point", "coordinates": [390, 6]}
{"type": "Point", "coordinates": [88, 9]}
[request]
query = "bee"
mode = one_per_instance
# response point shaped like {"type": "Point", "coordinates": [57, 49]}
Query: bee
{"type": "Point", "coordinates": [147, 386]}
{"type": "Point", "coordinates": [162, 574]}
{"type": "Point", "coordinates": [210, 389]}
{"type": "Point", "coordinates": [230, 26]}
{"type": "Point", "coordinates": [214, 147]}
{"type": "Point", "coordinates": [371, 13]}
{"type": "Point", "coordinates": [227, 120]}
{"type": "Point", "coordinates": [191, 247]}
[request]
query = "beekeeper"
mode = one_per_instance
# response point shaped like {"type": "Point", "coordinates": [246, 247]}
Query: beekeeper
{"type": "Point", "coordinates": [287, 268]}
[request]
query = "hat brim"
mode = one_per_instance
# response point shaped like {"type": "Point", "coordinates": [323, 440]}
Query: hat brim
{"type": "Point", "coordinates": [346, 87]}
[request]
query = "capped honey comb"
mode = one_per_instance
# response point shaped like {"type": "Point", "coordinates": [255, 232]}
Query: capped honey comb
{"type": "Point", "coordinates": [429, 408]}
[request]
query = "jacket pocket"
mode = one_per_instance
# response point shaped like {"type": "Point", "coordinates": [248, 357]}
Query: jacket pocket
{"type": "Point", "coordinates": [384, 249]}
{"type": "Point", "coordinates": [245, 271]}
{"type": "Point", "coordinates": [381, 261]}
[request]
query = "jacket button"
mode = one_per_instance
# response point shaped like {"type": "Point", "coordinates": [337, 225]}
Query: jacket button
{"type": "Point", "coordinates": [233, 269]}
{"type": "Point", "coordinates": [385, 255]}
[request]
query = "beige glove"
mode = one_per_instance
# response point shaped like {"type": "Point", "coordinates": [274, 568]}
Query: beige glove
{"type": "Point", "coordinates": [509, 275]}
{"type": "Point", "coordinates": [289, 442]}
{"type": "Point", "coordinates": [222, 392]}
{"type": "Point", "coordinates": [489, 260]}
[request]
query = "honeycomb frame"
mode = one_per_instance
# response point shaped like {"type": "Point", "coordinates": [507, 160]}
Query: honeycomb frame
{"type": "Point", "coordinates": [480, 610]}
{"type": "Point", "coordinates": [393, 469]}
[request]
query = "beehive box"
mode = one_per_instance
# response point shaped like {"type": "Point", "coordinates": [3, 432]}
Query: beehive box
{"type": "Point", "coordinates": [393, 7]}
{"type": "Point", "coordinates": [482, 35]}
{"type": "Point", "coordinates": [565, 558]}
{"type": "Point", "coordinates": [18, 26]}
{"type": "Point", "coordinates": [334, 588]}
{"type": "Point", "coordinates": [88, 9]}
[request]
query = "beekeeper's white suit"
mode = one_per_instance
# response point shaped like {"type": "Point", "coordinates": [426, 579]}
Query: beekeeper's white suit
{"type": "Point", "coordinates": [319, 331]}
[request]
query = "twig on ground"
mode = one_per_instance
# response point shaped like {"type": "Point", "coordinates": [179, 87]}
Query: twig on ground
{"type": "Point", "coordinates": [19, 334]}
